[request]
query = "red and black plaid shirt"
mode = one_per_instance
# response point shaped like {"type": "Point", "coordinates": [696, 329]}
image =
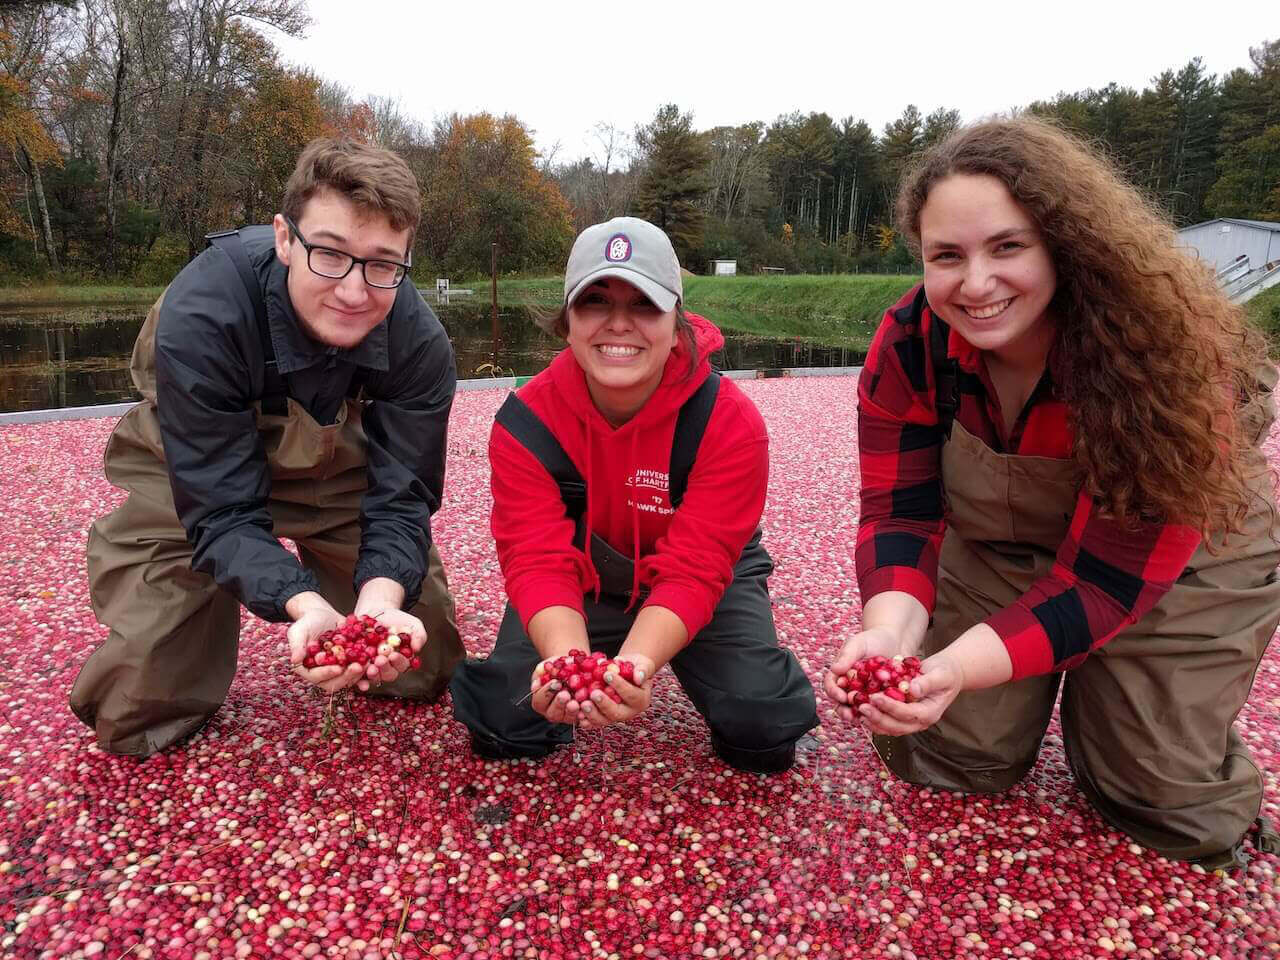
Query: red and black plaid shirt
{"type": "Point", "coordinates": [1106, 575]}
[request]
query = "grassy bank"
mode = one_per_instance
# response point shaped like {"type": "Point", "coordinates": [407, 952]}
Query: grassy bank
{"type": "Point", "coordinates": [54, 296]}
{"type": "Point", "coordinates": [1264, 311]}
{"type": "Point", "coordinates": [836, 310]}
{"type": "Point", "coordinates": [840, 310]}
{"type": "Point", "coordinates": [856, 295]}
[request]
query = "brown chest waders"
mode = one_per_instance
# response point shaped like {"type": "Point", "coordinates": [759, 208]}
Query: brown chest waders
{"type": "Point", "coordinates": [170, 655]}
{"type": "Point", "coordinates": [1147, 719]}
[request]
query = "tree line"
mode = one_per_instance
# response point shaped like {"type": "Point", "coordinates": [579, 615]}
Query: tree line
{"type": "Point", "coordinates": [131, 128]}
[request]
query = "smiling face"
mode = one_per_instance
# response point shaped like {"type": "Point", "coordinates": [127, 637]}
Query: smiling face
{"type": "Point", "coordinates": [987, 270]}
{"type": "Point", "coordinates": [621, 341]}
{"type": "Point", "coordinates": [338, 313]}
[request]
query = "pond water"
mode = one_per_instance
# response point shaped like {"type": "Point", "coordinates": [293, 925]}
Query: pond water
{"type": "Point", "coordinates": [79, 356]}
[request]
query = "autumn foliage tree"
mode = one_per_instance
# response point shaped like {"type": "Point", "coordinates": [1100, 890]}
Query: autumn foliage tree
{"type": "Point", "coordinates": [20, 129]}
{"type": "Point", "coordinates": [26, 42]}
{"type": "Point", "coordinates": [481, 185]}
{"type": "Point", "coordinates": [279, 116]}
{"type": "Point", "coordinates": [131, 128]}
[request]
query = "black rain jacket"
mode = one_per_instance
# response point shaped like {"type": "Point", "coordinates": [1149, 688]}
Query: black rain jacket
{"type": "Point", "coordinates": [210, 371]}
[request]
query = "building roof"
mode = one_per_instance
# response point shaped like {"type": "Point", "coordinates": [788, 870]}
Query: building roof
{"type": "Point", "coordinates": [1260, 224]}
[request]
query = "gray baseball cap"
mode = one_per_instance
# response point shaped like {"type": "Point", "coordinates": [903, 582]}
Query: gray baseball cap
{"type": "Point", "coordinates": [628, 248]}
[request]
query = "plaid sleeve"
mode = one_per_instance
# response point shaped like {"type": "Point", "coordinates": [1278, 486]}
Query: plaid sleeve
{"type": "Point", "coordinates": [1105, 578]}
{"type": "Point", "coordinates": [900, 522]}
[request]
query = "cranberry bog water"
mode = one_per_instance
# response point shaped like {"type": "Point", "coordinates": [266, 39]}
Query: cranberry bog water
{"type": "Point", "coordinates": [294, 827]}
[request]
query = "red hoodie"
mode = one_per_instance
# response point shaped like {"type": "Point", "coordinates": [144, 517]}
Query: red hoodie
{"type": "Point", "coordinates": [686, 556]}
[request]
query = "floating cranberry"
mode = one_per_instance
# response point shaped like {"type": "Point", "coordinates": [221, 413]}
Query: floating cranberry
{"type": "Point", "coordinates": [258, 837]}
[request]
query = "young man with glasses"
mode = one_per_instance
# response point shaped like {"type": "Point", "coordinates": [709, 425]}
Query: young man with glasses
{"type": "Point", "coordinates": [295, 384]}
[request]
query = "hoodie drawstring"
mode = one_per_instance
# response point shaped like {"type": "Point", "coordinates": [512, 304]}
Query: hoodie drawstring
{"type": "Point", "coordinates": [635, 523]}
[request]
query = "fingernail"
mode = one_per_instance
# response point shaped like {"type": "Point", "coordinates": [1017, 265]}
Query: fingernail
{"type": "Point", "coordinates": [639, 676]}
{"type": "Point", "coordinates": [586, 706]}
{"type": "Point", "coordinates": [555, 684]}
{"type": "Point", "coordinates": [597, 696]}
{"type": "Point", "coordinates": [608, 678]}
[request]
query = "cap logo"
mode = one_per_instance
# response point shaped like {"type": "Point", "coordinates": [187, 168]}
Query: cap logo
{"type": "Point", "coordinates": [618, 249]}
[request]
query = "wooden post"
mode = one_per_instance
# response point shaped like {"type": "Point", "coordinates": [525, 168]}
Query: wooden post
{"type": "Point", "coordinates": [493, 274]}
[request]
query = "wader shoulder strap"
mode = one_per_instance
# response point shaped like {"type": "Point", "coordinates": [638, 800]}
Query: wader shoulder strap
{"type": "Point", "coordinates": [275, 395]}
{"type": "Point", "coordinates": [525, 425]}
{"type": "Point", "coordinates": [690, 426]}
{"type": "Point", "coordinates": [946, 374]}
{"type": "Point", "coordinates": [531, 433]}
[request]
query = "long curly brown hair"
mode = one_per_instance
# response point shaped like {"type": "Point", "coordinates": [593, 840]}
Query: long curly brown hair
{"type": "Point", "coordinates": [1157, 362]}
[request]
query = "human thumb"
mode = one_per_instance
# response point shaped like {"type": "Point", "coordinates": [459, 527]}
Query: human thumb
{"type": "Point", "coordinates": [937, 673]}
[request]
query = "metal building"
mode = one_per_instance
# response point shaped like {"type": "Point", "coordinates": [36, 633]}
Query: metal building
{"type": "Point", "coordinates": [1245, 254]}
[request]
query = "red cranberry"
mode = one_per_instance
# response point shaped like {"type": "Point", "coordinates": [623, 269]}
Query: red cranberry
{"type": "Point", "coordinates": [890, 676]}
{"type": "Point", "coordinates": [583, 674]}
{"type": "Point", "coordinates": [359, 640]}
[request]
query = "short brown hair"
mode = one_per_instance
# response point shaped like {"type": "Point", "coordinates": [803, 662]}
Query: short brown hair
{"type": "Point", "coordinates": [368, 176]}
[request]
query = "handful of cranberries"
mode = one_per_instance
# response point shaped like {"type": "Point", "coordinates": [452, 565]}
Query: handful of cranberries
{"type": "Point", "coordinates": [359, 640]}
{"type": "Point", "coordinates": [583, 673]}
{"type": "Point", "coordinates": [890, 676]}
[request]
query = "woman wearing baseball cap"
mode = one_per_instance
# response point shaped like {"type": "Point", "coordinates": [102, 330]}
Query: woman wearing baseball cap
{"type": "Point", "coordinates": [628, 484]}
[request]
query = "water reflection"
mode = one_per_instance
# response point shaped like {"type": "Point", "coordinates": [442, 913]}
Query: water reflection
{"type": "Point", "coordinates": [67, 358]}
{"type": "Point", "coordinates": [71, 357]}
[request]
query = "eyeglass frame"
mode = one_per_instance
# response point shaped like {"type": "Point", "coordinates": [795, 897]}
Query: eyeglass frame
{"type": "Point", "coordinates": [350, 256]}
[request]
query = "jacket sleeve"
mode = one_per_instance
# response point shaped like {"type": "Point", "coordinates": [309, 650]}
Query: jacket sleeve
{"type": "Point", "coordinates": [900, 521]}
{"type": "Point", "coordinates": [205, 354]}
{"type": "Point", "coordinates": [540, 565]}
{"type": "Point", "coordinates": [407, 425]}
{"type": "Point", "coordinates": [693, 561]}
{"type": "Point", "coordinates": [1106, 577]}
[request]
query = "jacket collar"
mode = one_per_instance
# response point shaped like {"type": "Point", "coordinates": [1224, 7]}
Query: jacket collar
{"type": "Point", "coordinates": [969, 357]}
{"type": "Point", "coordinates": [295, 350]}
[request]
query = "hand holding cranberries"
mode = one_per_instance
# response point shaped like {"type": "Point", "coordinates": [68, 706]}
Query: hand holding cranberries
{"type": "Point", "coordinates": [891, 676]}
{"type": "Point", "coordinates": [333, 653]}
{"type": "Point", "coordinates": [582, 673]}
{"type": "Point", "coordinates": [575, 688]}
{"type": "Point", "coordinates": [360, 641]}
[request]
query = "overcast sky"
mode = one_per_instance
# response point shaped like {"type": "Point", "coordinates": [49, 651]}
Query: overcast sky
{"type": "Point", "coordinates": [561, 67]}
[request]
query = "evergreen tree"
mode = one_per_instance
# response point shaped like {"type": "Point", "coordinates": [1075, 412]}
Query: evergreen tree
{"type": "Point", "coordinates": [938, 126]}
{"type": "Point", "coordinates": [859, 192]}
{"type": "Point", "coordinates": [1177, 132]}
{"type": "Point", "coordinates": [1248, 182]}
{"type": "Point", "coordinates": [675, 159]}
{"type": "Point", "coordinates": [903, 139]}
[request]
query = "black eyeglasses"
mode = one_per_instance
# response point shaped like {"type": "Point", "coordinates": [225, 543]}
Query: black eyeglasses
{"type": "Point", "coordinates": [334, 264]}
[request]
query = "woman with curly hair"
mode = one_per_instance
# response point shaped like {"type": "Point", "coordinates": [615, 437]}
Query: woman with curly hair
{"type": "Point", "coordinates": [1059, 443]}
